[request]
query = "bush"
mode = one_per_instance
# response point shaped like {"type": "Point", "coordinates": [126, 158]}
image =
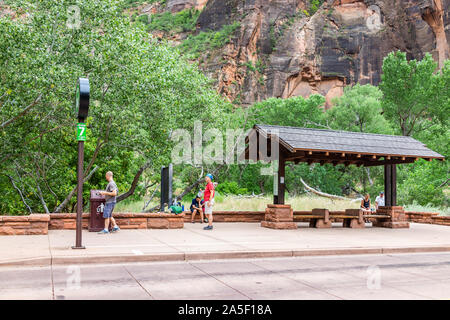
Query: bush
{"type": "Point", "coordinates": [182, 21]}
{"type": "Point", "coordinates": [230, 188]}
{"type": "Point", "coordinates": [208, 40]}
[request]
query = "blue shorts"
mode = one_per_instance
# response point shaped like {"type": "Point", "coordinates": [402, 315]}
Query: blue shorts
{"type": "Point", "coordinates": [108, 210]}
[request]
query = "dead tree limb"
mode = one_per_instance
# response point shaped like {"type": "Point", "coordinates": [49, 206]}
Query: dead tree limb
{"type": "Point", "coordinates": [151, 198]}
{"type": "Point", "coordinates": [323, 194]}
{"type": "Point", "coordinates": [22, 113]}
{"type": "Point", "coordinates": [20, 193]}
{"type": "Point", "coordinates": [67, 199]}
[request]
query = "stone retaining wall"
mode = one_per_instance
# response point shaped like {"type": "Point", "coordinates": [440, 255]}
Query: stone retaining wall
{"type": "Point", "coordinates": [60, 221]}
{"type": "Point", "coordinates": [230, 216]}
{"type": "Point", "coordinates": [41, 223]}
{"type": "Point", "coordinates": [23, 225]}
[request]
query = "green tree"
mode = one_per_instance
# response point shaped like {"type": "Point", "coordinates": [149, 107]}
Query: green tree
{"type": "Point", "coordinates": [414, 94]}
{"type": "Point", "coordinates": [141, 89]}
{"type": "Point", "coordinates": [359, 109]}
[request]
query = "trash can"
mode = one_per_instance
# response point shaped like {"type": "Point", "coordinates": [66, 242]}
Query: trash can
{"type": "Point", "coordinates": [96, 220]}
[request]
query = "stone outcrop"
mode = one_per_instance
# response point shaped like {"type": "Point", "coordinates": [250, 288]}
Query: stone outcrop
{"type": "Point", "coordinates": [284, 49]}
{"type": "Point", "coordinates": [178, 5]}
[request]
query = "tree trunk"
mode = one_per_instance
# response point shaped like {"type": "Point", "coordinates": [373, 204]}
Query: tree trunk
{"type": "Point", "coordinates": [130, 191]}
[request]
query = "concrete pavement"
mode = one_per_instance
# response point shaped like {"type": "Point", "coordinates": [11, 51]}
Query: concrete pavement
{"type": "Point", "coordinates": [227, 240]}
{"type": "Point", "coordinates": [375, 276]}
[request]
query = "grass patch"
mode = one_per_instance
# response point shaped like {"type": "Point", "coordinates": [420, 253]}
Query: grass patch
{"type": "Point", "coordinates": [427, 208]}
{"type": "Point", "coordinates": [229, 202]}
{"type": "Point", "coordinates": [303, 202]}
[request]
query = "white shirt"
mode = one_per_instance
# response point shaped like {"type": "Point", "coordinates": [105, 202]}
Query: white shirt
{"type": "Point", "coordinates": [380, 201]}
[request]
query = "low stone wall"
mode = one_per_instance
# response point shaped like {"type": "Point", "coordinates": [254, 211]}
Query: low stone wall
{"type": "Point", "coordinates": [41, 223]}
{"type": "Point", "coordinates": [230, 216]}
{"type": "Point", "coordinates": [442, 220]}
{"type": "Point", "coordinates": [24, 225]}
{"type": "Point", "coordinates": [420, 217]}
{"type": "Point", "coordinates": [62, 221]}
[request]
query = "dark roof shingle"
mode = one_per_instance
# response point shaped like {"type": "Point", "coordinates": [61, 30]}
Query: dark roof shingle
{"type": "Point", "coordinates": [295, 138]}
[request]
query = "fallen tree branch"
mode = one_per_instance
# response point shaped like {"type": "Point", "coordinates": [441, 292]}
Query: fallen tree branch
{"type": "Point", "coordinates": [323, 194]}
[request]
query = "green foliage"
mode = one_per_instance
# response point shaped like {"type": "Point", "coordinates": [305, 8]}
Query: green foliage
{"type": "Point", "coordinates": [315, 4]}
{"type": "Point", "coordinates": [230, 187]}
{"type": "Point", "coordinates": [295, 111]}
{"type": "Point", "coordinates": [182, 21]}
{"type": "Point", "coordinates": [414, 95]}
{"type": "Point", "coordinates": [359, 109]}
{"type": "Point", "coordinates": [140, 89]}
{"type": "Point", "coordinates": [206, 41]}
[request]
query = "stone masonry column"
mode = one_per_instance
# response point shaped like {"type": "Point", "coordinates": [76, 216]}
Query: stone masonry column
{"type": "Point", "coordinates": [279, 216]}
{"type": "Point", "coordinates": [397, 217]}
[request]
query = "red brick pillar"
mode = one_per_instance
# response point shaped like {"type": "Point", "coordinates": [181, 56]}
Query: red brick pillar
{"type": "Point", "coordinates": [397, 217]}
{"type": "Point", "coordinates": [279, 216]}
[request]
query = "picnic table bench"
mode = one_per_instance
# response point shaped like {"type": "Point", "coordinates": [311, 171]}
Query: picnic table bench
{"type": "Point", "coordinates": [351, 218]}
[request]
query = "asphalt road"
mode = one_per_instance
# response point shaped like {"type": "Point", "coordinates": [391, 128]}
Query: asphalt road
{"type": "Point", "coordinates": [394, 276]}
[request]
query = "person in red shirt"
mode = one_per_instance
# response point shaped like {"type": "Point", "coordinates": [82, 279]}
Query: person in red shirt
{"type": "Point", "coordinates": [208, 196]}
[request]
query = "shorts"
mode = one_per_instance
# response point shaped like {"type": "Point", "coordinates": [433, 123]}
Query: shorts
{"type": "Point", "coordinates": [108, 210]}
{"type": "Point", "coordinates": [208, 209]}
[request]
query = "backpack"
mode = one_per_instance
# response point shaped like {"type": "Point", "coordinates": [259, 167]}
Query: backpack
{"type": "Point", "coordinates": [176, 209]}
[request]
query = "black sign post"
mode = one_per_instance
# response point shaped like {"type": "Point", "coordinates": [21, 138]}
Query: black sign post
{"type": "Point", "coordinates": [82, 104]}
{"type": "Point", "coordinates": [166, 186]}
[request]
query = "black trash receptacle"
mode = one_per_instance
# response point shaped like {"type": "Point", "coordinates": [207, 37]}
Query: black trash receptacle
{"type": "Point", "coordinates": [96, 220]}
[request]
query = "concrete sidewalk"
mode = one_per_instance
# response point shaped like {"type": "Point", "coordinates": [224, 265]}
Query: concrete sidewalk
{"type": "Point", "coordinates": [227, 240]}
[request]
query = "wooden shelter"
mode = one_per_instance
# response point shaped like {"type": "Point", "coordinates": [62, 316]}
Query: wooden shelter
{"type": "Point", "coordinates": [334, 147]}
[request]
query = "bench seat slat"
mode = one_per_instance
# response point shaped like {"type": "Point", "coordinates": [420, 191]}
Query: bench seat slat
{"type": "Point", "coordinates": [307, 216]}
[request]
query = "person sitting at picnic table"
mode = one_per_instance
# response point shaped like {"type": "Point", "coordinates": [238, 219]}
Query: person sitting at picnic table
{"type": "Point", "coordinates": [365, 204]}
{"type": "Point", "coordinates": [196, 206]}
{"type": "Point", "coordinates": [379, 201]}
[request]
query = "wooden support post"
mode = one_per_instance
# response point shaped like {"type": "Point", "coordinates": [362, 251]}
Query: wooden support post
{"type": "Point", "coordinates": [387, 185]}
{"type": "Point", "coordinates": [390, 185]}
{"type": "Point", "coordinates": [393, 185]}
{"type": "Point", "coordinates": [279, 199]}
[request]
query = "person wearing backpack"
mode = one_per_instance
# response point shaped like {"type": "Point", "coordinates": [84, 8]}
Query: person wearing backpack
{"type": "Point", "coordinates": [208, 196]}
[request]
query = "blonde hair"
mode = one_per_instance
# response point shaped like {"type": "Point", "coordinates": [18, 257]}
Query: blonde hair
{"type": "Point", "coordinates": [109, 173]}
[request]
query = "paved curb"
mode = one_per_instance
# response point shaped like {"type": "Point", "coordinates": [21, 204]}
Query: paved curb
{"type": "Point", "coordinates": [71, 260]}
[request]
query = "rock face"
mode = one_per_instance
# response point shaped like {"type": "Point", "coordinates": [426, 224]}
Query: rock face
{"type": "Point", "coordinates": [284, 49]}
{"type": "Point", "coordinates": [178, 5]}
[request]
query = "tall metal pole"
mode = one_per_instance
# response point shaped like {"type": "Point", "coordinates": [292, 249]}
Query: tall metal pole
{"type": "Point", "coordinates": [82, 103]}
{"type": "Point", "coordinates": [78, 242]}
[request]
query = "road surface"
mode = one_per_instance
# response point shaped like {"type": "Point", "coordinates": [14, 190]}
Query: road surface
{"type": "Point", "coordinates": [393, 276]}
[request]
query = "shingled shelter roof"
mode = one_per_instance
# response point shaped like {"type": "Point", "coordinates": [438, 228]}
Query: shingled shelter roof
{"type": "Point", "coordinates": [319, 145]}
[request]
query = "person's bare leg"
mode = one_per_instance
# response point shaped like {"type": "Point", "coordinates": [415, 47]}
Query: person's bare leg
{"type": "Point", "coordinates": [193, 215]}
{"type": "Point", "coordinates": [210, 219]}
{"type": "Point", "coordinates": [201, 215]}
{"type": "Point", "coordinates": [113, 222]}
{"type": "Point", "coordinates": [107, 223]}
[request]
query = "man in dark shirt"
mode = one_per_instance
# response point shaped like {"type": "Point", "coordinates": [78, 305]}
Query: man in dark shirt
{"type": "Point", "coordinates": [196, 206]}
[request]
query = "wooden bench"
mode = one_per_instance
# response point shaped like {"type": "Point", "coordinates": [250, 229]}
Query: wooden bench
{"type": "Point", "coordinates": [319, 218]}
{"type": "Point", "coordinates": [352, 218]}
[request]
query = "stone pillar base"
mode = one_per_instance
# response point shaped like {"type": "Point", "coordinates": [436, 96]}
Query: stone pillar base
{"type": "Point", "coordinates": [279, 216]}
{"type": "Point", "coordinates": [353, 223]}
{"type": "Point", "coordinates": [320, 222]}
{"type": "Point", "coordinates": [278, 225]}
{"type": "Point", "coordinates": [397, 218]}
